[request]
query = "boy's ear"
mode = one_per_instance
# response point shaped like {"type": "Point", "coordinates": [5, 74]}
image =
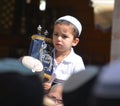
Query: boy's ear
{"type": "Point", "coordinates": [75, 42]}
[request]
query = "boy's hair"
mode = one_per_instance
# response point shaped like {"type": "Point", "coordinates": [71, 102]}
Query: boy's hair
{"type": "Point", "coordinates": [75, 30]}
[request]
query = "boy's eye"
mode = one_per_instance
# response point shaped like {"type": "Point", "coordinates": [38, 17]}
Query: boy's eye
{"type": "Point", "coordinates": [64, 36]}
{"type": "Point", "coordinates": [55, 34]}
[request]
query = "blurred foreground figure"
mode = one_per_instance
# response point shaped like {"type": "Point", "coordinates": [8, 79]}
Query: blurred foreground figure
{"type": "Point", "coordinates": [33, 64]}
{"type": "Point", "coordinates": [107, 87]}
{"type": "Point", "coordinates": [19, 86]}
{"type": "Point", "coordinates": [77, 89]}
{"type": "Point", "coordinates": [54, 97]}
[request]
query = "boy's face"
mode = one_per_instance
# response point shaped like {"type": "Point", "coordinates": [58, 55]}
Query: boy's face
{"type": "Point", "coordinates": [63, 38]}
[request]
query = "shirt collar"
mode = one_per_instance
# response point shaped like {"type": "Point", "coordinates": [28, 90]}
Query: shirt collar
{"type": "Point", "coordinates": [69, 58]}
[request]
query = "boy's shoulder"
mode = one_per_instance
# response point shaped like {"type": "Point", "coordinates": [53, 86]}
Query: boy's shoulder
{"type": "Point", "coordinates": [75, 55]}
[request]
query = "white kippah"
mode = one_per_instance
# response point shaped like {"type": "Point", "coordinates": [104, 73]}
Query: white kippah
{"type": "Point", "coordinates": [72, 20]}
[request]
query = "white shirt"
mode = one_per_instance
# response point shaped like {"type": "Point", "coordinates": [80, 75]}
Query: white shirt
{"type": "Point", "coordinates": [71, 64]}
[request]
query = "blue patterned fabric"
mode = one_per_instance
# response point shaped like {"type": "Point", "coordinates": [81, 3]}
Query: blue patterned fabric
{"type": "Point", "coordinates": [41, 48]}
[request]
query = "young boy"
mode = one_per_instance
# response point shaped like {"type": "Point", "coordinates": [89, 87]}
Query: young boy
{"type": "Point", "coordinates": [66, 33]}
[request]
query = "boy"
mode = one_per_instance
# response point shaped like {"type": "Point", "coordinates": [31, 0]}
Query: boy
{"type": "Point", "coordinates": [66, 33]}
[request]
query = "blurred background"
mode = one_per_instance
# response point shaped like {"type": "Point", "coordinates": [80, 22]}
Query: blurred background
{"type": "Point", "coordinates": [19, 20]}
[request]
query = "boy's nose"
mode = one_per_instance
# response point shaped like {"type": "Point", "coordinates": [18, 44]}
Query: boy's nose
{"type": "Point", "coordinates": [59, 38]}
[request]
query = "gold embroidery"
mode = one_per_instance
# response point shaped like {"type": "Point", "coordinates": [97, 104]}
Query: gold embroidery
{"type": "Point", "coordinates": [48, 40]}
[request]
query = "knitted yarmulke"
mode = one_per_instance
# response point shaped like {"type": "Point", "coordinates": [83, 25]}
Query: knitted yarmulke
{"type": "Point", "coordinates": [72, 20]}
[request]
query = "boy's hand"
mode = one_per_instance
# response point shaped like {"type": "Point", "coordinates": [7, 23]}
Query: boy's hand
{"type": "Point", "coordinates": [46, 85]}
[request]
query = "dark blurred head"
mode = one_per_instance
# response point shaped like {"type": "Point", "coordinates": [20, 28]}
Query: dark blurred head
{"type": "Point", "coordinates": [19, 86]}
{"type": "Point", "coordinates": [106, 91]}
{"type": "Point", "coordinates": [77, 89]}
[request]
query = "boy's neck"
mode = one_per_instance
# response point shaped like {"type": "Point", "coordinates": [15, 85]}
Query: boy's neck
{"type": "Point", "coordinates": [59, 56]}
